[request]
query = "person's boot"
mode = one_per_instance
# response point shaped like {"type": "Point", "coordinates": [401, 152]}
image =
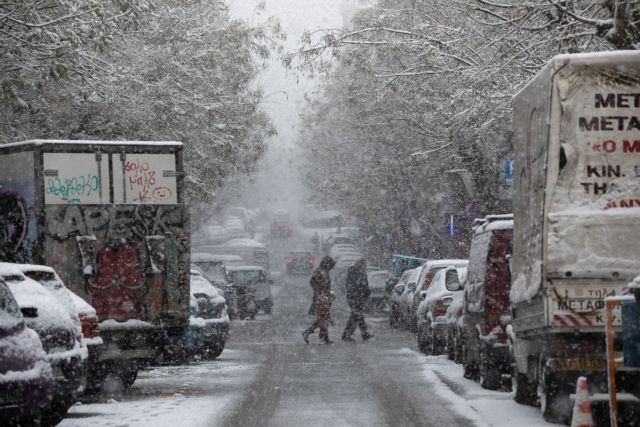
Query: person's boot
{"type": "Point", "coordinates": [367, 336]}
{"type": "Point", "coordinates": [347, 338]}
{"type": "Point", "coordinates": [305, 336]}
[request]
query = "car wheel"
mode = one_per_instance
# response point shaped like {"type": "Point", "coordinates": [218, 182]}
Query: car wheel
{"type": "Point", "coordinates": [490, 377]}
{"type": "Point", "coordinates": [268, 306]}
{"type": "Point", "coordinates": [450, 345]}
{"type": "Point", "coordinates": [56, 411]}
{"type": "Point", "coordinates": [214, 351]}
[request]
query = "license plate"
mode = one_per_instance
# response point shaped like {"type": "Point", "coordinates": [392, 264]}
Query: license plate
{"type": "Point", "coordinates": [57, 372]}
{"type": "Point", "coordinates": [11, 397]}
{"type": "Point", "coordinates": [579, 364]}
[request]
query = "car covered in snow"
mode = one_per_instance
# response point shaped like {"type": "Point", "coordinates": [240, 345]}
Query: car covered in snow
{"type": "Point", "coordinates": [61, 339]}
{"type": "Point", "coordinates": [255, 279]}
{"type": "Point", "coordinates": [431, 319]}
{"type": "Point", "coordinates": [429, 269]}
{"type": "Point", "coordinates": [377, 280]}
{"type": "Point", "coordinates": [26, 378]}
{"type": "Point", "coordinates": [406, 284]}
{"type": "Point", "coordinates": [208, 324]}
{"type": "Point", "coordinates": [76, 307]}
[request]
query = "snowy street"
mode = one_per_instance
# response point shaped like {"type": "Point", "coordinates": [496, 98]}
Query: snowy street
{"type": "Point", "coordinates": [267, 376]}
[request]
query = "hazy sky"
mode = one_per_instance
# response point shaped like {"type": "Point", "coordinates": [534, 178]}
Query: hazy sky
{"type": "Point", "coordinates": [278, 183]}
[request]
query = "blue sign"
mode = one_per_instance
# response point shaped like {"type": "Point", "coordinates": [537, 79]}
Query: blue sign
{"type": "Point", "coordinates": [508, 171]}
{"type": "Point", "coordinates": [452, 227]}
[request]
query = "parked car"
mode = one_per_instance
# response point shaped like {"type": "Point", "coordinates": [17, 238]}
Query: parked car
{"type": "Point", "coordinates": [255, 279]}
{"type": "Point", "coordinates": [213, 268]}
{"type": "Point", "coordinates": [81, 313]}
{"type": "Point", "coordinates": [487, 311]}
{"type": "Point", "coordinates": [299, 262]}
{"type": "Point", "coordinates": [26, 377]}
{"type": "Point", "coordinates": [429, 270]}
{"type": "Point", "coordinates": [60, 337]}
{"type": "Point", "coordinates": [431, 316]}
{"type": "Point", "coordinates": [379, 299]}
{"type": "Point", "coordinates": [208, 324]}
{"type": "Point", "coordinates": [406, 283]}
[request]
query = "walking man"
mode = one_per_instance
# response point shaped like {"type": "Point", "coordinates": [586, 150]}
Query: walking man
{"type": "Point", "coordinates": [358, 296]}
{"type": "Point", "coordinates": [321, 284]}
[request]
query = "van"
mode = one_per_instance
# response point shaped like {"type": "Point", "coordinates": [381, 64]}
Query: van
{"type": "Point", "coordinates": [487, 308]}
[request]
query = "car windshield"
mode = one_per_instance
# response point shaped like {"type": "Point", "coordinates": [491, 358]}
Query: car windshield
{"type": "Point", "coordinates": [214, 271]}
{"type": "Point", "coordinates": [9, 311]}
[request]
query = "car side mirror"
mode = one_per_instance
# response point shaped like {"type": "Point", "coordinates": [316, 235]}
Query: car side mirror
{"type": "Point", "coordinates": [30, 312]}
{"type": "Point", "coordinates": [452, 280]}
{"type": "Point", "coordinates": [423, 295]}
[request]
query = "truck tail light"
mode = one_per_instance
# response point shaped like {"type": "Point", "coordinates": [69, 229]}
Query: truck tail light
{"type": "Point", "coordinates": [90, 328]}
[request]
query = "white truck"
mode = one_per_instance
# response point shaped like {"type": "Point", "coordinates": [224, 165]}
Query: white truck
{"type": "Point", "coordinates": [576, 203]}
{"type": "Point", "coordinates": [110, 217]}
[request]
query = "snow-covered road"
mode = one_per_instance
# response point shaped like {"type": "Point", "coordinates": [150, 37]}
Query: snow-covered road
{"type": "Point", "coordinates": [267, 376]}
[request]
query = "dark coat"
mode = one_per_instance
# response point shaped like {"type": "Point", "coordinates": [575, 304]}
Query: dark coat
{"type": "Point", "coordinates": [320, 280]}
{"type": "Point", "coordinates": [357, 287]}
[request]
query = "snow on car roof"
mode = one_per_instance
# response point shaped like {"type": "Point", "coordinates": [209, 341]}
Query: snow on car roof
{"type": "Point", "coordinates": [447, 262]}
{"type": "Point", "coordinates": [34, 267]}
{"type": "Point", "coordinates": [29, 293]}
{"type": "Point", "coordinates": [249, 243]}
{"type": "Point", "coordinates": [89, 141]}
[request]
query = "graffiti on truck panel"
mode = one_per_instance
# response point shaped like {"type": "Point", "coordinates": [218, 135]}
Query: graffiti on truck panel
{"type": "Point", "coordinates": [125, 252]}
{"type": "Point", "coordinates": [142, 179]}
{"type": "Point", "coordinates": [118, 222]}
{"type": "Point", "coordinates": [67, 188]}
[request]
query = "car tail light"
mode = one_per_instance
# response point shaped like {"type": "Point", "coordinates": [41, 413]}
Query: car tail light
{"type": "Point", "coordinates": [90, 328]}
{"type": "Point", "coordinates": [461, 311]}
{"type": "Point", "coordinates": [440, 309]}
{"type": "Point", "coordinates": [427, 279]}
{"type": "Point", "coordinates": [289, 260]}
{"type": "Point", "coordinates": [312, 261]}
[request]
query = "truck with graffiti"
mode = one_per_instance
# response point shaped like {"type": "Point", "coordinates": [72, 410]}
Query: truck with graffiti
{"type": "Point", "coordinates": [576, 203]}
{"type": "Point", "coordinates": [110, 217]}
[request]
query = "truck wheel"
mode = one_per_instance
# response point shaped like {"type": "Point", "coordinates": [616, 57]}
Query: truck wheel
{"type": "Point", "coordinates": [524, 390]}
{"type": "Point", "coordinates": [128, 377]}
{"type": "Point", "coordinates": [490, 377]}
{"type": "Point", "coordinates": [555, 403]}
